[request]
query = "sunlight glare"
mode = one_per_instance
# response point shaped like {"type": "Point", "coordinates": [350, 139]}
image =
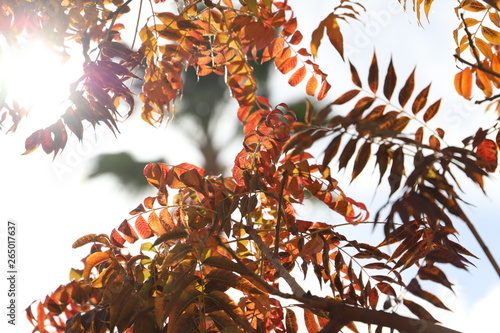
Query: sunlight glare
{"type": "Point", "coordinates": [38, 79]}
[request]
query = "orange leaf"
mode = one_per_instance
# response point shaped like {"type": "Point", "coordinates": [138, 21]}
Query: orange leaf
{"type": "Point", "coordinates": [156, 225]}
{"type": "Point", "coordinates": [434, 142]}
{"type": "Point", "coordinates": [312, 85]}
{"type": "Point", "coordinates": [93, 260]}
{"type": "Point", "coordinates": [310, 321]}
{"type": "Point", "coordinates": [463, 83]}
{"type": "Point", "coordinates": [298, 76]}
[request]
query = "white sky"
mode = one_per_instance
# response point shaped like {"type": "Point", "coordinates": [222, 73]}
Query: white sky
{"type": "Point", "coordinates": [53, 204]}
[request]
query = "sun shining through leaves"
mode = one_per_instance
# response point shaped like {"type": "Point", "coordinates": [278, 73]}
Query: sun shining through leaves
{"type": "Point", "coordinates": [37, 78]}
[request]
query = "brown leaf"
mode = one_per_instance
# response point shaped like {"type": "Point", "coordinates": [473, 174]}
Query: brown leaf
{"type": "Point", "coordinates": [291, 321]}
{"type": "Point", "coordinates": [313, 246]}
{"type": "Point", "coordinates": [407, 90]}
{"type": "Point", "coordinates": [390, 81]}
{"type": "Point", "coordinates": [419, 311]}
{"type": "Point", "coordinates": [434, 142]}
{"type": "Point", "coordinates": [323, 91]}
{"type": "Point", "coordinates": [316, 38]}
{"type": "Point", "coordinates": [433, 273]}
{"type": "Point", "coordinates": [346, 97]}
{"type": "Point", "coordinates": [335, 34]}
{"type": "Point", "coordinates": [419, 134]}
{"type": "Point", "coordinates": [354, 75]}
{"type": "Point", "coordinates": [331, 150]}
{"type": "Point", "coordinates": [362, 158]}
{"type": "Point", "coordinates": [382, 160]}
{"type": "Point", "coordinates": [415, 289]}
{"type": "Point", "coordinates": [373, 74]}
{"type": "Point", "coordinates": [397, 169]}
{"type": "Point", "coordinates": [432, 110]}
{"type": "Point", "coordinates": [420, 100]}
{"type": "Point", "coordinates": [347, 153]}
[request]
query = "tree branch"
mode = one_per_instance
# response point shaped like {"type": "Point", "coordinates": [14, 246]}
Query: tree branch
{"type": "Point", "coordinates": [349, 313]}
{"type": "Point", "coordinates": [342, 312]}
{"type": "Point", "coordinates": [275, 262]}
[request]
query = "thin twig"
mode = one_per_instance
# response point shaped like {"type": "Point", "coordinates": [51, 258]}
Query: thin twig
{"type": "Point", "coordinates": [469, 37]}
{"type": "Point", "coordinates": [483, 246]}
{"type": "Point", "coordinates": [275, 262]}
{"type": "Point", "coordinates": [280, 213]}
{"type": "Point", "coordinates": [477, 66]}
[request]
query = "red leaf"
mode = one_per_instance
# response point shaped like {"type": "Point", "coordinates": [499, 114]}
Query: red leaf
{"type": "Point", "coordinates": [116, 239]}
{"type": "Point", "coordinates": [33, 141]}
{"type": "Point", "coordinates": [142, 227]}
{"type": "Point", "coordinates": [128, 232]}
{"type": "Point", "coordinates": [488, 155]}
{"type": "Point", "coordinates": [296, 38]}
{"type": "Point", "coordinates": [373, 298]}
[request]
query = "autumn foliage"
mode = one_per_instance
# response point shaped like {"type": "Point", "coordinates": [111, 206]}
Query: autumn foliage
{"type": "Point", "coordinates": [225, 253]}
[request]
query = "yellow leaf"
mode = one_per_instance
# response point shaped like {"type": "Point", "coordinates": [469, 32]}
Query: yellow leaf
{"type": "Point", "coordinates": [491, 35]}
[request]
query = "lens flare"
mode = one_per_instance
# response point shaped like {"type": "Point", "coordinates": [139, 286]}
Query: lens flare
{"type": "Point", "coordinates": [37, 78]}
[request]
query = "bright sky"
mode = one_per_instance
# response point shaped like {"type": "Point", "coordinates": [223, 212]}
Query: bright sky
{"type": "Point", "coordinates": [54, 204]}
